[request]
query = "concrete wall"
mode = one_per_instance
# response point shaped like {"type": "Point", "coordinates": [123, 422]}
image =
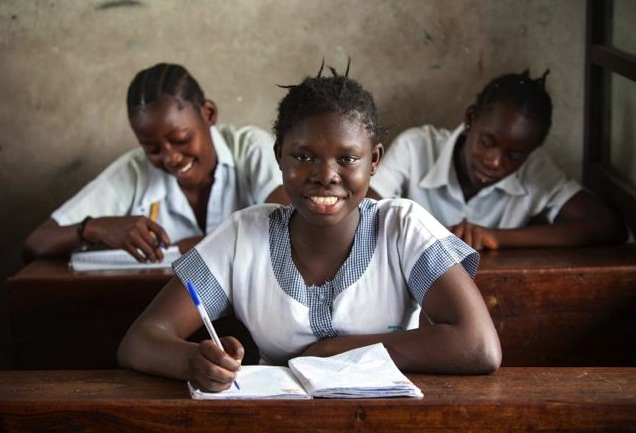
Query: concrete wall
{"type": "Point", "coordinates": [65, 66]}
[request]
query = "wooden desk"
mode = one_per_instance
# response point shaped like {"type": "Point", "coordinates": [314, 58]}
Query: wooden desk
{"type": "Point", "coordinates": [563, 306]}
{"type": "Point", "coordinates": [512, 399]}
{"type": "Point", "coordinates": [552, 307]}
{"type": "Point", "coordinates": [61, 319]}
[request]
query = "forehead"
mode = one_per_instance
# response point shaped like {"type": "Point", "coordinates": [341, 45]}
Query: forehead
{"type": "Point", "coordinates": [163, 113]}
{"type": "Point", "coordinates": [509, 124]}
{"type": "Point", "coordinates": [329, 129]}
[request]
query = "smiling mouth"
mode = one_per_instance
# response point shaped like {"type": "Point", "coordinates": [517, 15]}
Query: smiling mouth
{"type": "Point", "coordinates": [185, 168]}
{"type": "Point", "coordinates": [484, 178]}
{"type": "Point", "coordinates": [324, 201]}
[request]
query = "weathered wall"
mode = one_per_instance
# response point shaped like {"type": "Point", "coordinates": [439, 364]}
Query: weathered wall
{"type": "Point", "coordinates": [65, 66]}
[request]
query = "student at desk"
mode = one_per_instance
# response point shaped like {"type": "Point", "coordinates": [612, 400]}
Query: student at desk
{"type": "Point", "coordinates": [187, 176]}
{"type": "Point", "coordinates": [332, 272]}
{"type": "Point", "coordinates": [489, 180]}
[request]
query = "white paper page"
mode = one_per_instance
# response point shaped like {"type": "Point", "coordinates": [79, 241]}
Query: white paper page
{"type": "Point", "coordinates": [258, 382]}
{"type": "Point", "coordinates": [118, 259]}
{"type": "Point", "coordinates": [365, 372]}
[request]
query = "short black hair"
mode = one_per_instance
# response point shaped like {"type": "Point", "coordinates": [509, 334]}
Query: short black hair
{"type": "Point", "coordinates": [163, 79]}
{"type": "Point", "coordinates": [527, 94]}
{"type": "Point", "coordinates": [332, 94]}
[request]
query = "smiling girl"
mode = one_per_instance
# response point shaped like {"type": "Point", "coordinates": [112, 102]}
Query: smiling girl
{"type": "Point", "coordinates": [331, 272]}
{"type": "Point", "coordinates": [490, 181]}
{"type": "Point", "coordinates": [188, 175]}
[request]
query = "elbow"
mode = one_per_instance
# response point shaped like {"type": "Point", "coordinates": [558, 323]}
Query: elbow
{"type": "Point", "coordinates": [126, 355]}
{"type": "Point", "coordinates": [488, 359]}
{"type": "Point", "coordinates": [484, 355]}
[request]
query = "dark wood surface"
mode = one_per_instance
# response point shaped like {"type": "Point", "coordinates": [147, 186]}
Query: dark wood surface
{"type": "Point", "coordinates": [512, 399]}
{"type": "Point", "coordinates": [552, 307]}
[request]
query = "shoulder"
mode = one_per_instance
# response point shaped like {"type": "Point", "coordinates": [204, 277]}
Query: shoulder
{"type": "Point", "coordinates": [540, 167]}
{"type": "Point", "coordinates": [404, 215]}
{"type": "Point", "coordinates": [422, 135]}
{"type": "Point", "coordinates": [423, 142]}
{"type": "Point", "coordinates": [132, 163]}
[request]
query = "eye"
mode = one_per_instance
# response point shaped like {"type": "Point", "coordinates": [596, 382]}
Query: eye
{"type": "Point", "coordinates": [516, 156]}
{"type": "Point", "coordinates": [486, 142]}
{"type": "Point", "coordinates": [180, 141]}
{"type": "Point", "coordinates": [348, 160]}
{"type": "Point", "coordinates": [302, 157]}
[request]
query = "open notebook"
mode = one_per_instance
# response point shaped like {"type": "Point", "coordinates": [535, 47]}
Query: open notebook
{"type": "Point", "coordinates": [366, 372]}
{"type": "Point", "coordinates": [118, 259]}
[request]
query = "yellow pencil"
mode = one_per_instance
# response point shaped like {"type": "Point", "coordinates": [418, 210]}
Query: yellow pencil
{"type": "Point", "coordinates": [154, 211]}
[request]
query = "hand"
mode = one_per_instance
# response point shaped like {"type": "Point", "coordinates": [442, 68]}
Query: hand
{"type": "Point", "coordinates": [212, 368]}
{"type": "Point", "coordinates": [140, 236]}
{"type": "Point", "coordinates": [478, 237]}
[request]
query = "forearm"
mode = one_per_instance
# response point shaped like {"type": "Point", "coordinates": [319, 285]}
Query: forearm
{"type": "Point", "coordinates": [440, 348]}
{"type": "Point", "coordinates": [155, 351]}
{"type": "Point", "coordinates": [50, 240]}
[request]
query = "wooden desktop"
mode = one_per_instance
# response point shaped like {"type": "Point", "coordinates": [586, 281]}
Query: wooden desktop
{"type": "Point", "coordinates": [512, 399]}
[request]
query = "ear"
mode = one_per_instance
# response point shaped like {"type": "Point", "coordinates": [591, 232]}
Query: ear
{"type": "Point", "coordinates": [376, 156]}
{"type": "Point", "coordinates": [209, 111]}
{"type": "Point", "coordinates": [278, 153]}
{"type": "Point", "coordinates": [469, 116]}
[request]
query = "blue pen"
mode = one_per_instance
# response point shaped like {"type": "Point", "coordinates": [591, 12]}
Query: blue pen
{"type": "Point", "coordinates": [206, 319]}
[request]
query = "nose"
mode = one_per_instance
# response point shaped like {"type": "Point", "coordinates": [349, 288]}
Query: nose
{"type": "Point", "coordinates": [170, 156]}
{"type": "Point", "coordinates": [325, 172]}
{"type": "Point", "coordinates": [493, 159]}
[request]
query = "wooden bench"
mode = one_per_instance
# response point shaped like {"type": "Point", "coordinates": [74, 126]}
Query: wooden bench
{"type": "Point", "coordinates": [552, 307]}
{"type": "Point", "coordinates": [512, 399]}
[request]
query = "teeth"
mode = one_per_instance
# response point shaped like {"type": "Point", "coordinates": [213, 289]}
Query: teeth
{"type": "Point", "coordinates": [186, 168]}
{"type": "Point", "coordinates": [325, 201]}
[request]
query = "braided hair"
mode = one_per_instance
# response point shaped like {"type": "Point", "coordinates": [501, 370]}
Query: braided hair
{"type": "Point", "coordinates": [332, 94]}
{"type": "Point", "coordinates": [163, 79]}
{"type": "Point", "coordinates": [526, 94]}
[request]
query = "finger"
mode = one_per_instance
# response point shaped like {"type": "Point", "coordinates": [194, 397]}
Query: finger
{"type": "Point", "coordinates": [137, 253]}
{"type": "Point", "coordinates": [233, 347]}
{"type": "Point", "coordinates": [490, 243]}
{"type": "Point", "coordinates": [160, 236]}
{"type": "Point", "coordinates": [218, 356]}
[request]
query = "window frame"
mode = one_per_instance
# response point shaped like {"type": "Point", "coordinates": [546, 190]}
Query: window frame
{"type": "Point", "coordinates": [601, 58]}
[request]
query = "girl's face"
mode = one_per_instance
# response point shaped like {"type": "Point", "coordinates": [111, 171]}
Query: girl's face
{"type": "Point", "coordinates": [176, 139]}
{"type": "Point", "coordinates": [498, 142]}
{"type": "Point", "coordinates": [327, 161]}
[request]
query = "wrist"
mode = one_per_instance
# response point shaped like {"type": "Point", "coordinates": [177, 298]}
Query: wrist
{"type": "Point", "coordinates": [81, 233]}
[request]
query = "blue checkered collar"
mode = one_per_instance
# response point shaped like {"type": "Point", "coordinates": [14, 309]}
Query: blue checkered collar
{"type": "Point", "coordinates": [288, 276]}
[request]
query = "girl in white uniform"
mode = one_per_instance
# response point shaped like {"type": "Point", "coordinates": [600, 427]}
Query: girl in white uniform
{"type": "Point", "coordinates": [187, 176]}
{"type": "Point", "coordinates": [332, 272]}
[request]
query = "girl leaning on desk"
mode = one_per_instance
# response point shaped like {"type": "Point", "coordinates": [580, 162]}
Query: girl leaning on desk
{"type": "Point", "coordinates": [187, 176]}
{"type": "Point", "coordinates": [331, 272]}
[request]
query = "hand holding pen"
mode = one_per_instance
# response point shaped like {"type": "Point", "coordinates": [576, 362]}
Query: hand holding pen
{"type": "Point", "coordinates": [206, 319]}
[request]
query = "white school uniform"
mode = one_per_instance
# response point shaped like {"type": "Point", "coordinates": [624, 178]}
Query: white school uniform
{"type": "Point", "coordinates": [245, 267]}
{"type": "Point", "coordinates": [246, 174]}
{"type": "Point", "coordinates": [419, 165]}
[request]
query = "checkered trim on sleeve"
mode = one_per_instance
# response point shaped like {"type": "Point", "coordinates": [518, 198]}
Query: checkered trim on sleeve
{"type": "Point", "coordinates": [191, 267]}
{"type": "Point", "coordinates": [436, 260]}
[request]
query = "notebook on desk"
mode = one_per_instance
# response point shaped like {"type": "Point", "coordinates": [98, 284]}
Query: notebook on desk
{"type": "Point", "coordinates": [118, 259]}
{"type": "Point", "coordinates": [366, 372]}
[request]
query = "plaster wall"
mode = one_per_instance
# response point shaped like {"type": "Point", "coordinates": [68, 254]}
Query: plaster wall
{"type": "Point", "coordinates": [65, 66]}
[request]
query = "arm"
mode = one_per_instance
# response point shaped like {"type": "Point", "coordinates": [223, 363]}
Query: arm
{"type": "Point", "coordinates": [456, 334]}
{"type": "Point", "coordinates": [131, 233]}
{"type": "Point", "coordinates": [583, 220]}
{"type": "Point", "coordinates": [156, 343]}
